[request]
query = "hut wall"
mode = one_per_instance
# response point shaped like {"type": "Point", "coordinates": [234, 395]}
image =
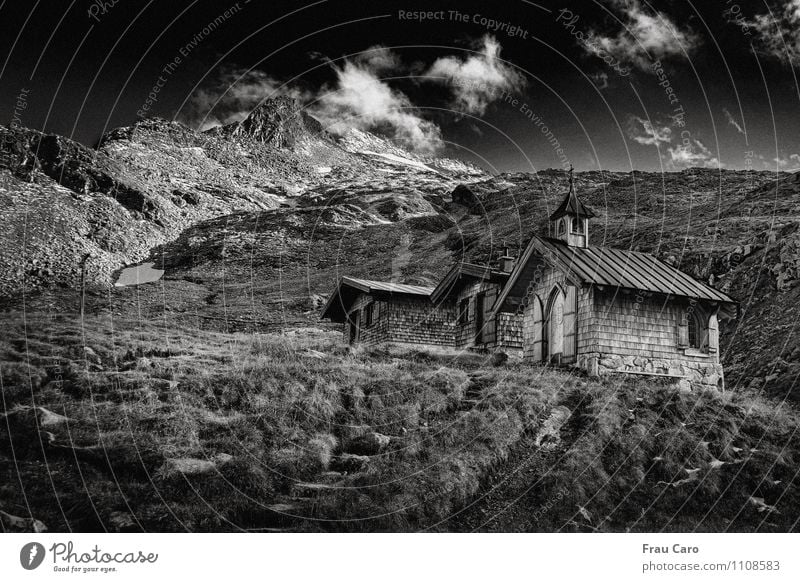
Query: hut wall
{"type": "Point", "coordinates": [638, 332]}
{"type": "Point", "coordinates": [414, 320]}
{"type": "Point", "coordinates": [369, 334]}
{"type": "Point", "coordinates": [505, 332]}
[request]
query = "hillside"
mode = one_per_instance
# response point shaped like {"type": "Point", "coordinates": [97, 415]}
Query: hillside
{"type": "Point", "coordinates": [125, 406]}
{"type": "Point", "coordinates": [117, 425]}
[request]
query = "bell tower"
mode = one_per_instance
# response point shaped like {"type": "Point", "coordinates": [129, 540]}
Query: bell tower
{"type": "Point", "coordinates": [570, 221]}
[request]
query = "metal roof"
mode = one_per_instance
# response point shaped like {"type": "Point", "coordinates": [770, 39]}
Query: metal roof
{"type": "Point", "coordinates": [369, 286]}
{"type": "Point", "coordinates": [615, 268]}
{"type": "Point", "coordinates": [454, 279]}
{"type": "Point", "coordinates": [572, 205]}
{"type": "Point", "coordinates": [348, 288]}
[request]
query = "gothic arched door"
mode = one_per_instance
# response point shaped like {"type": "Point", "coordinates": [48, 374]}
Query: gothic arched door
{"type": "Point", "coordinates": [555, 325]}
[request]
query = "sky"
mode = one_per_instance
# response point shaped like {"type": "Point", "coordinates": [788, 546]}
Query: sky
{"type": "Point", "coordinates": [513, 86]}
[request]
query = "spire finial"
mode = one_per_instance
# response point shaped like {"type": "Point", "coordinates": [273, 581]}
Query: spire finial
{"type": "Point", "coordinates": [571, 178]}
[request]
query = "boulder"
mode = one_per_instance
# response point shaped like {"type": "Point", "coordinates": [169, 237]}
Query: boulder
{"type": "Point", "coordinates": [549, 434]}
{"type": "Point", "coordinates": [371, 443]}
{"type": "Point", "coordinates": [350, 463]}
{"type": "Point", "coordinates": [13, 523]}
{"type": "Point", "coordinates": [189, 467]}
{"type": "Point", "coordinates": [464, 196]}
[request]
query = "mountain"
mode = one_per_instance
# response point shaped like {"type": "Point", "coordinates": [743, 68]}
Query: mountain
{"type": "Point", "coordinates": [67, 207]}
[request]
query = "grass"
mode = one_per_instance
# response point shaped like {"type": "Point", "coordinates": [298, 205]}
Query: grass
{"type": "Point", "coordinates": [174, 429]}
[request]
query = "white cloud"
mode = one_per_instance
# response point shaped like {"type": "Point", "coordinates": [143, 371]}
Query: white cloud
{"type": "Point", "coordinates": [792, 162]}
{"type": "Point", "coordinates": [478, 79]}
{"type": "Point", "coordinates": [732, 121]}
{"type": "Point", "coordinates": [361, 96]}
{"type": "Point", "coordinates": [360, 99]}
{"type": "Point", "coordinates": [778, 31]}
{"type": "Point", "coordinates": [682, 149]}
{"type": "Point", "coordinates": [645, 38]}
{"type": "Point", "coordinates": [646, 133]}
{"type": "Point", "coordinates": [691, 152]}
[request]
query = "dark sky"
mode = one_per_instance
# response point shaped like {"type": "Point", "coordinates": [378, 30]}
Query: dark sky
{"type": "Point", "coordinates": [83, 69]}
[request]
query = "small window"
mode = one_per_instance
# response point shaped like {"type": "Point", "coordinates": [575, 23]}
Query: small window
{"type": "Point", "coordinates": [697, 332]}
{"type": "Point", "coordinates": [463, 312]}
{"type": "Point", "coordinates": [577, 225]}
{"type": "Point", "coordinates": [369, 314]}
{"type": "Point", "coordinates": [562, 227]}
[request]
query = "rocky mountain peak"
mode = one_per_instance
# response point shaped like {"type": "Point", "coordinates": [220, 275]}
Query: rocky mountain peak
{"type": "Point", "coordinates": [281, 122]}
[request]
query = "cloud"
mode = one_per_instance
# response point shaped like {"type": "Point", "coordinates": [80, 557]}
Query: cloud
{"type": "Point", "coordinates": [777, 31]}
{"type": "Point", "coordinates": [732, 121]}
{"type": "Point", "coordinates": [360, 99]}
{"type": "Point", "coordinates": [646, 37]}
{"type": "Point", "coordinates": [792, 162]}
{"type": "Point", "coordinates": [646, 133]}
{"type": "Point", "coordinates": [691, 152]}
{"type": "Point", "coordinates": [478, 79]}
{"type": "Point", "coordinates": [682, 150]}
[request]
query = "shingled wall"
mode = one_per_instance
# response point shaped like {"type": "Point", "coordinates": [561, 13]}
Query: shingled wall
{"type": "Point", "coordinates": [416, 321]}
{"type": "Point", "coordinates": [638, 332]}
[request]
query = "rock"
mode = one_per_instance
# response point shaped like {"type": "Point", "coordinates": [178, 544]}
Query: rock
{"type": "Point", "coordinates": [463, 196]}
{"type": "Point", "coordinates": [49, 418]}
{"type": "Point", "coordinates": [188, 466]}
{"type": "Point", "coordinates": [222, 458]}
{"type": "Point", "coordinates": [371, 443]}
{"type": "Point", "coordinates": [91, 355]}
{"type": "Point", "coordinates": [12, 523]}
{"type": "Point", "coordinates": [549, 434]}
{"type": "Point", "coordinates": [499, 359]}
{"type": "Point", "coordinates": [350, 462]}
{"type": "Point", "coordinates": [122, 521]}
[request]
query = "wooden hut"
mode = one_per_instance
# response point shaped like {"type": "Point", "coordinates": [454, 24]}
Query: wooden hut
{"type": "Point", "coordinates": [376, 311]}
{"type": "Point", "coordinates": [612, 310]}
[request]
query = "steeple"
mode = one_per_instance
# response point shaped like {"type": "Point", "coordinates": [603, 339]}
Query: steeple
{"type": "Point", "coordinates": [570, 221]}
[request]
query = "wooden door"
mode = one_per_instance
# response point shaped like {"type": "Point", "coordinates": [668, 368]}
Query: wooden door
{"type": "Point", "coordinates": [355, 320]}
{"type": "Point", "coordinates": [480, 313]}
{"type": "Point", "coordinates": [533, 330]}
{"type": "Point", "coordinates": [490, 326]}
{"type": "Point", "coordinates": [555, 326]}
{"type": "Point", "coordinates": [570, 324]}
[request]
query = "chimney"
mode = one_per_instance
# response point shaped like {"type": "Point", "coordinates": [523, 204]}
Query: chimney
{"type": "Point", "coordinates": [506, 260]}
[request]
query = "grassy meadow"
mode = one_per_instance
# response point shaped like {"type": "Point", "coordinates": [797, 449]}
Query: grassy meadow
{"type": "Point", "coordinates": [117, 425]}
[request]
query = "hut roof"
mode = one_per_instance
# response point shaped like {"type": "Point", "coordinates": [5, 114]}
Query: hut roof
{"type": "Point", "coordinates": [608, 267]}
{"type": "Point", "coordinates": [348, 289]}
{"type": "Point", "coordinates": [572, 205]}
{"type": "Point", "coordinates": [458, 276]}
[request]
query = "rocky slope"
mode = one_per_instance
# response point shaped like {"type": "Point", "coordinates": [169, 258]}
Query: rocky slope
{"type": "Point", "coordinates": [70, 211]}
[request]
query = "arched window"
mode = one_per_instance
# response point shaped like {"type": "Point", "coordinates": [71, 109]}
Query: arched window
{"type": "Point", "coordinates": [562, 227]}
{"type": "Point", "coordinates": [698, 330]}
